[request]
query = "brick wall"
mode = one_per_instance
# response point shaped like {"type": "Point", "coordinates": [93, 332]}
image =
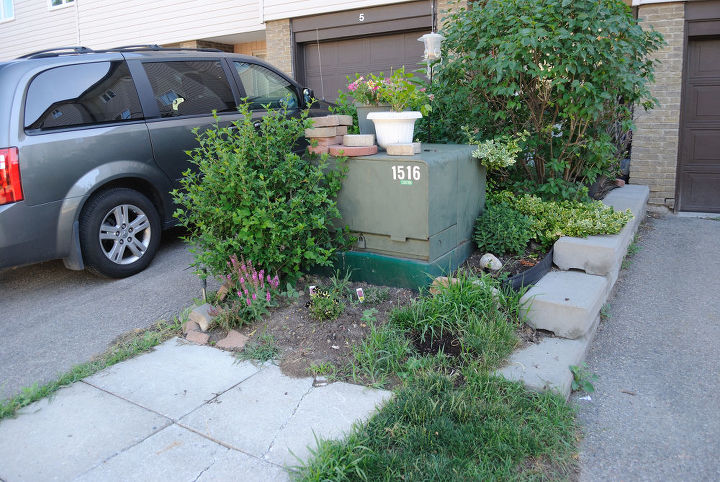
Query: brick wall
{"type": "Point", "coordinates": [258, 49]}
{"type": "Point", "coordinates": [279, 45]}
{"type": "Point", "coordinates": [656, 134]}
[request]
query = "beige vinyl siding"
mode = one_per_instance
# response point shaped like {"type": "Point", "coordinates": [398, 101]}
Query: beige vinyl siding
{"type": "Point", "coordinates": [279, 9]}
{"type": "Point", "coordinates": [37, 27]}
{"type": "Point", "coordinates": [107, 23]}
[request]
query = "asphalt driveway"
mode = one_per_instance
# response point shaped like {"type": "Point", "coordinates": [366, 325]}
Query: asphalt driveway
{"type": "Point", "coordinates": [655, 413]}
{"type": "Point", "coordinates": [52, 318]}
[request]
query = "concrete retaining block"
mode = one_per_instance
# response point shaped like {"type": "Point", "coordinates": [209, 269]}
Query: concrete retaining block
{"type": "Point", "coordinates": [602, 255]}
{"type": "Point", "coordinates": [546, 365]}
{"type": "Point", "coordinates": [565, 302]}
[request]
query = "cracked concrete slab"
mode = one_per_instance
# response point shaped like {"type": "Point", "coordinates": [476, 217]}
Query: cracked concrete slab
{"type": "Point", "coordinates": [175, 378]}
{"type": "Point", "coordinates": [176, 453]}
{"type": "Point", "coordinates": [249, 416]}
{"type": "Point", "coordinates": [62, 437]}
{"type": "Point", "coordinates": [326, 412]}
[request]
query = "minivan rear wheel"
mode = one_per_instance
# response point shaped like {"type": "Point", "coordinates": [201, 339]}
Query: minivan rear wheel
{"type": "Point", "coordinates": [119, 233]}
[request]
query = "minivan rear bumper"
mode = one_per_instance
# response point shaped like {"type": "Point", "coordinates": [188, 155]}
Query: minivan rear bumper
{"type": "Point", "coordinates": [28, 234]}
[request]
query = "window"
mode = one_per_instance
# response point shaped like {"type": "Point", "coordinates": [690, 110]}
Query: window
{"type": "Point", "coordinates": [265, 87]}
{"type": "Point", "coordinates": [81, 95]}
{"type": "Point", "coordinates": [6, 10]}
{"type": "Point", "coordinates": [190, 88]}
{"type": "Point", "coordinates": [60, 3]}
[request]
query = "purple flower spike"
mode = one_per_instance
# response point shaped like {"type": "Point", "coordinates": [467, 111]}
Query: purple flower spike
{"type": "Point", "coordinates": [254, 296]}
{"type": "Point", "coordinates": [239, 294]}
{"type": "Point", "coordinates": [269, 279]}
{"type": "Point", "coordinates": [268, 296]}
{"type": "Point", "coordinates": [247, 300]}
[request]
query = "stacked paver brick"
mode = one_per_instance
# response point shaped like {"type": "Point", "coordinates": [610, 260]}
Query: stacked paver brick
{"type": "Point", "coordinates": [330, 134]}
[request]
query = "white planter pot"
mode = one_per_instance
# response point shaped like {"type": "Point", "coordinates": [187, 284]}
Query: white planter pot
{"type": "Point", "coordinates": [394, 127]}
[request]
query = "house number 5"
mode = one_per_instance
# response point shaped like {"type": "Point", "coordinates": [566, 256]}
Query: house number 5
{"type": "Point", "coordinates": [361, 17]}
{"type": "Point", "coordinates": [406, 172]}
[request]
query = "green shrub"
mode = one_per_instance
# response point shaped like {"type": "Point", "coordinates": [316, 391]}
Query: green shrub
{"type": "Point", "coordinates": [553, 219]}
{"type": "Point", "coordinates": [252, 196]}
{"type": "Point", "coordinates": [565, 71]}
{"type": "Point", "coordinates": [503, 230]}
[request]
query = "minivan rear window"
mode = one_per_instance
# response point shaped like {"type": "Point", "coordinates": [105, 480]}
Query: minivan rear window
{"type": "Point", "coordinates": [81, 95]}
{"type": "Point", "coordinates": [190, 88]}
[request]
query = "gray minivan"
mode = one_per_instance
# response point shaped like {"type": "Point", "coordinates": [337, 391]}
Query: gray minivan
{"type": "Point", "coordinates": [92, 143]}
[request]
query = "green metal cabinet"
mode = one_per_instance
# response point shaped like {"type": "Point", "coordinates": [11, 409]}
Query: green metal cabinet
{"type": "Point", "coordinates": [417, 211]}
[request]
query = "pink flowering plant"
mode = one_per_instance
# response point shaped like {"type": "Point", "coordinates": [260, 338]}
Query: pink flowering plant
{"type": "Point", "coordinates": [401, 91]}
{"type": "Point", "coordinates": [251, 291]}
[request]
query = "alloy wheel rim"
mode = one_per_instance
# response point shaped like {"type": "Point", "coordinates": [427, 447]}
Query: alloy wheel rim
{"type": "Point", "coordinates": [124, 234]}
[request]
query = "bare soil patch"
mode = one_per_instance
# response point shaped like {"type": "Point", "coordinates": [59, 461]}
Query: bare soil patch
{"type": "Point", "coordinates": [305, 341]}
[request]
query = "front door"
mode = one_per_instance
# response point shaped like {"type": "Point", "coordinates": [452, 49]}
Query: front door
{"type": "Point", "coordinates": [699, 163]}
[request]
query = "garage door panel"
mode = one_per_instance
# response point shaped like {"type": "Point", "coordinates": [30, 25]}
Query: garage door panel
{"type": "Point", "coordinates": [703, 147]}
{"type": "Point", "coordinates": [701, 192]}
{"type": "Point", "coordinates": [705, 103]}
{"type": "Point", "coordinates": [705, 59]}
{"type": "Point", "coordinates": [365, 55]}
{"type": "Point", "coordinates": [699, 163]}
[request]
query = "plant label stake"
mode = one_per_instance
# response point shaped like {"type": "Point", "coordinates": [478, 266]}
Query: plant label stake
{"type": "Point", "coordinates": [360, 294]}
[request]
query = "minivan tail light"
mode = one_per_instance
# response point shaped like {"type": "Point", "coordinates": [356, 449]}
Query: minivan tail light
{"type": "Point", "coordinates": [10, 187]}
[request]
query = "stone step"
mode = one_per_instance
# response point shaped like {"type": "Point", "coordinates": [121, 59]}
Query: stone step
{"type": "Point", "coordinates": [565, 302]}
{"type": "Point", "coordinates": [546, 365]}
{"type": "Point", "coordinates": [602, 255]}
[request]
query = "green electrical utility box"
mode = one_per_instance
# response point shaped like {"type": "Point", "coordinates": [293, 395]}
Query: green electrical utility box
{"type": "Point", "coordinates": [412, 215]}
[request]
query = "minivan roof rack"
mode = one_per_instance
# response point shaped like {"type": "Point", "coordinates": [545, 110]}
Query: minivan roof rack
{"type": "Point", "coordinates": [125, 48]}
{"type": "Point", "coordinates": [56, 51]}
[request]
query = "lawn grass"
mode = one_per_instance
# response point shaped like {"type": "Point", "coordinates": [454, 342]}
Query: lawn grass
{"type": "Point", "coordinates": [451, 418]}
{"type": "Point", "coordinates": [137, 343]}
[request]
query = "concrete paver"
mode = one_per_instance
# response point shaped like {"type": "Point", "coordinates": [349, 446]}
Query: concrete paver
{"type": "Point", "coordinates": [249, 416]}
{"type": "Point", "coordinates": [62, 437]}
{"type": "Point", "coordinates": [179, 454]}
{"type": "Point", "coordinates": [327, 413]}
{"type": "Point", "coordinates": [175, 378]}
{"type": "Point", "coordinates": [124, 425]}
{"type": "Point", "coordinates": [654, 414]}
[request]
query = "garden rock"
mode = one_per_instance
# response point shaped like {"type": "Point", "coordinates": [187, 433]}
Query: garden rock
{"type": "Point", "coordinates": [490, 262]}
{"type": "Point", "coordinates": [327, 121]}
{"type": "Point", "coordinates": [233, 341]}
{"type": "Point", "coordinates": [201, 315]}
{"type": "Point", "coordinates": [189, 326]}
{"type": "Point", "coordinates": [197, 337]}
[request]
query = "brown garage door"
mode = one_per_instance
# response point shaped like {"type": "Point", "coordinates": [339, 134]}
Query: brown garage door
{"type": "Point", "coordinates": [699, 167]}
{"type": "Point", "coordinates": [325, 71]}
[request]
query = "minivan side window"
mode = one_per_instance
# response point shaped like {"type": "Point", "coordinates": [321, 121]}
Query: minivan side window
{"type": "Point", "coordinates": [190, 88]}
{"type": "Point", "coordinates": [81, 95]}
{"type": "Point", "coordinates": [263, 87]}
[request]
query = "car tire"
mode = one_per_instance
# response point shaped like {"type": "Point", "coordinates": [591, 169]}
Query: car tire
{"type": "Point", "coordinates": [119, 233]}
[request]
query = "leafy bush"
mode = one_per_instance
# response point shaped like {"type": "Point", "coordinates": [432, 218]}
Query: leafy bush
{"type": "Point", "coordinates": [562, 70]}
{"type": "Point", "coordinates": [251, 195]}
{"type": "Point", "coordinates": [553, 219]}
{"type": "Point", "coordinates": [502, 230]}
